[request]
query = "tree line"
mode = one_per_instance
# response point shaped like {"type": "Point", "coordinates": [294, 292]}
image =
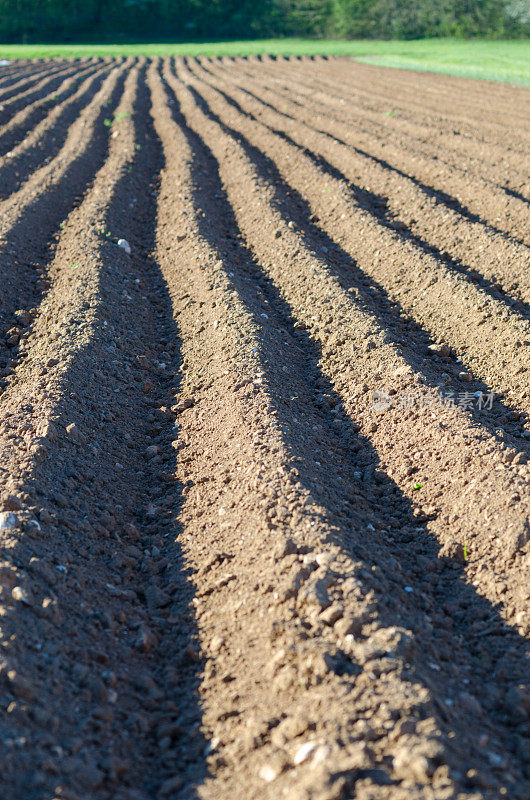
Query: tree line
{"type": "Point", "coordinates": [188, 20]}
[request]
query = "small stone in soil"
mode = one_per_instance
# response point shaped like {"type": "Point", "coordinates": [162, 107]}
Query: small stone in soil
{"type": "Point", "coordinates": [124, 244]}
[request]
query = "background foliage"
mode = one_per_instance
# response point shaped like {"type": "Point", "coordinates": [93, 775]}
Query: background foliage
{"type": "Point", "coordinates": [188, 20]}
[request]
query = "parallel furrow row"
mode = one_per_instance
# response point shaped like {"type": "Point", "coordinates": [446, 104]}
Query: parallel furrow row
{"type": "Point", "coordinates": [17, 70]}
{"type": "Point", "coordinates": [101, 662]}
{"type": "Point", "coordinates": [235, 297]}
{"type": "Point", "coordinates": [389, 130]}
{"type": "Point", "coordinates": [33, 76]}
{"type": "Point", "coordinates": [476, 198]}
{"type": "Point", "coordinates": [421, 284]}
{"type": "Point", "coordinates": [33, 113]}
{"type": "Point", "coordinates": [421, 96]}
{"type": "Point", "coordinates": [46, 139]}
{"type": "Point", "coordinates": [398, 202]}
{"type": "Point", "coordinates": [452, 120]}
{"type": "Point", "coordinates": [18, 99]}
{"type": "Point", "coordinates": [42, 203]}
{"type": "Point", "coordinates": [331, 306]}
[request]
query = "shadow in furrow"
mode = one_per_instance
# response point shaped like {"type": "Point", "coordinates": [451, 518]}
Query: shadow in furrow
{"type": "Point", "coordinates": [332, 459]}
{"type": "Point", "coordinates": [28, 247]}
{"type": "Point", "coordinates": [377, 205]}
{"type": "Point", "coordinates": [6, 81]}
{"type": "Point", "coordinates": [16, 170]}
{"type": "Point", "coordinates": [502, 422]}
{"type": "Point", "coordinates": [441, 197]}
{"type": "Point", "coordinates": [19, 100]}
{"type": "Point", "coordinates": [27, 80]}
{"type": "Point", "coordinates": [516, 194]}
{"type": "Point", "coordinates": [13, 134]}
{"type": "Point", "coordinates": [437, 124]}
{"type": "Point", "coordinates": [111, 662]}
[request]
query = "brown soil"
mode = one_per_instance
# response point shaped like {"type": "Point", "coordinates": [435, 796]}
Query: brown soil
{"type": "Point", "coordinates": [264, 478]}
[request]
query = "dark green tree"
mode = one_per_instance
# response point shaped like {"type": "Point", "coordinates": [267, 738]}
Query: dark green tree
{"type": "Point", "coordinates": [181, 20]}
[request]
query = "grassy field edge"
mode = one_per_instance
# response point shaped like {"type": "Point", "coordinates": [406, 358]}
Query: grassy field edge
{"type": "Point", "coordinates": [507, 61]}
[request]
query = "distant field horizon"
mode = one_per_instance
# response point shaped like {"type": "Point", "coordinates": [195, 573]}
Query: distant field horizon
{"type": "Point", "coordinates": [502, 60]}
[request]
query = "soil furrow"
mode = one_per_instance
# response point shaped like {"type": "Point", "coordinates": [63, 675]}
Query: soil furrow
{"type": "Point", "coordinates": [467, 151]}
{"type": "Point", "coordinates": [463, 429]}
{"type": "Point", "coordinates": [27, 80]}
{"type": "Point", "coordinates": [463, 244]}
{"type": "Point", "coordinates": [387, 128]}
{"type": "Point", "coordinates": [423, 92]}
{"type": "Point", "coordinates": [363, 93]}
{"type": "Point", "coordinates": [377, 148]}
{"type": "Point", "coordinates": [405, 271]}
{"type": "Point", "coordinates": [29, 117]}
{"type": "Point", "coordinates": [465, 133]}
{"type": "Point", "coordinates": [9, 76]}
{"type": "Point", "coordinates": [210, 221]}
{"type": "Point", "coordinates": [20, 99]}
{"type": "Point", "coordinates": [322, 444]}
{"type": "Point", "coordinates": [104, 662]}
{"type": "Point", "coordinates": [429, 96]}
{"type": "Point", "coordinates": [42, 144]}
{"type": "Point", "coordinates": [42, 204]}
{"type": "Point", "coordinates": [434, 162]}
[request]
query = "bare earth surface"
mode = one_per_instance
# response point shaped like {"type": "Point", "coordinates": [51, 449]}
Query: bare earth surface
{"type": "Point", "coordinates": [265, 478]}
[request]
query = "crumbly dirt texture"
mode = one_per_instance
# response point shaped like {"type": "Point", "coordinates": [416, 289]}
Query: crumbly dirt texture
{"type": "Point", "coordinates": [264, 432]}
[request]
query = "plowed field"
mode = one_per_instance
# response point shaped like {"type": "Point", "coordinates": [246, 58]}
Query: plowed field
{"type": "Point", "coordinates": [264, 432]}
